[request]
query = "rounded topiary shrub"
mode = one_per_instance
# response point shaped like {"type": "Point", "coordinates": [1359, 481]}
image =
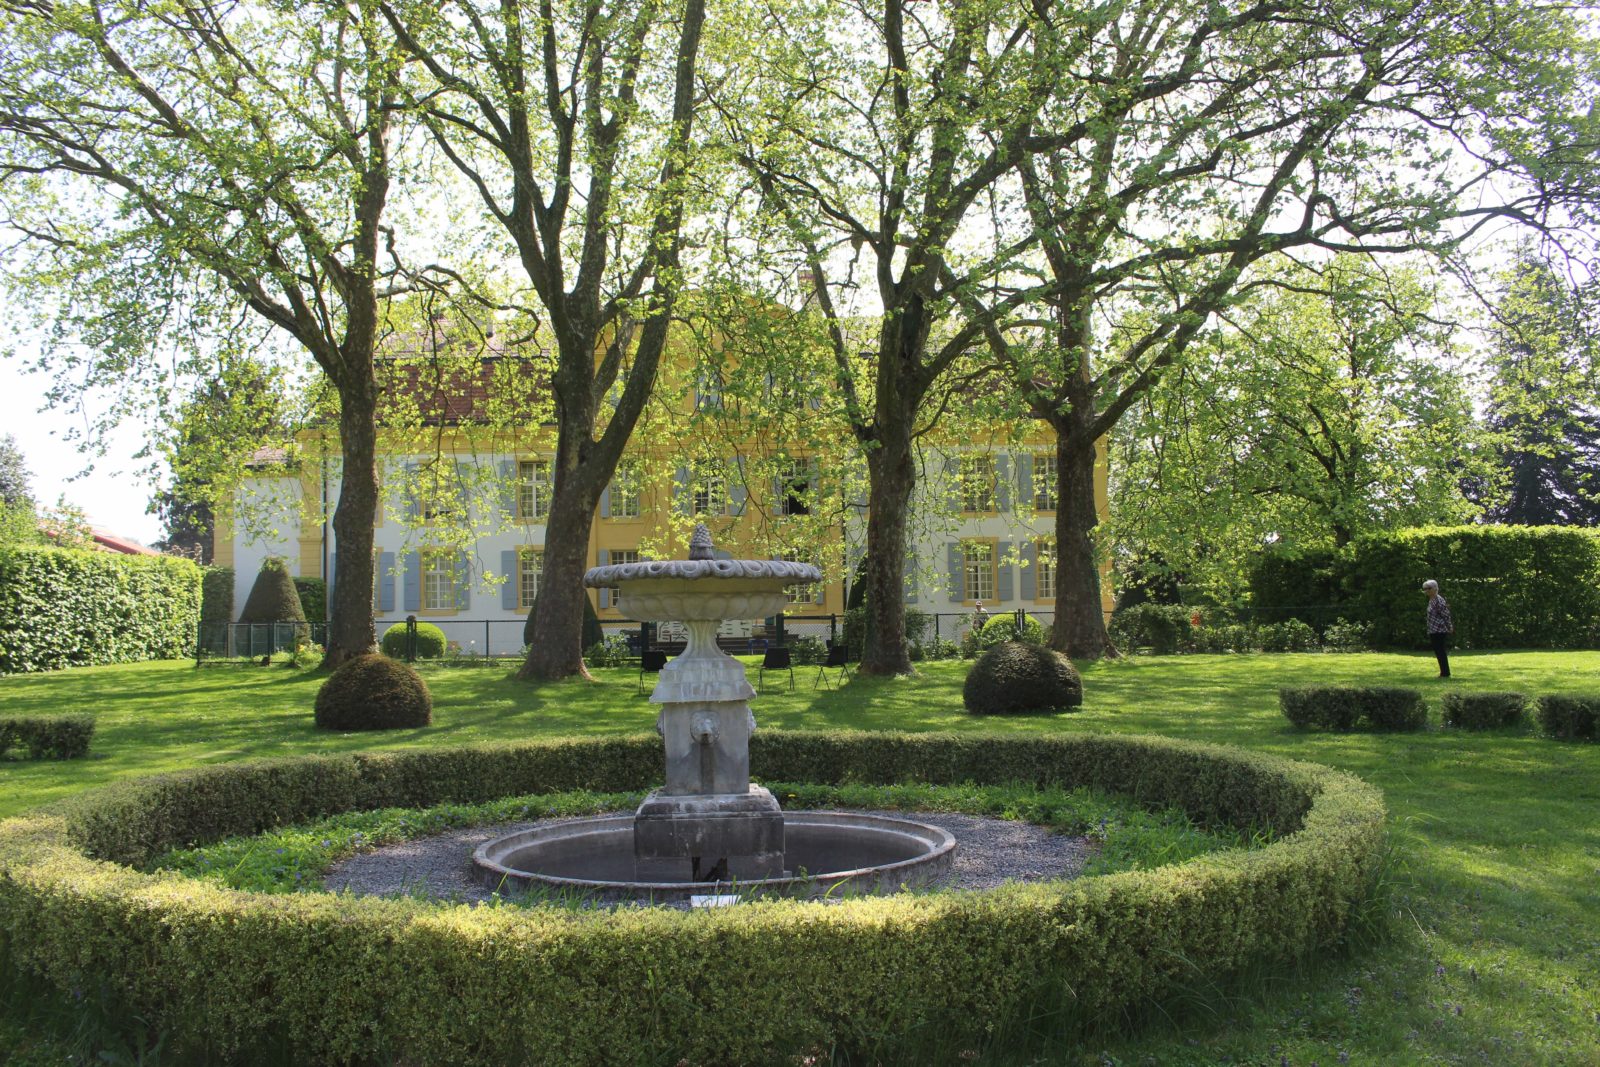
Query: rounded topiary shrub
{"type": "Point", "coordinates": [430, 641]}
{"type": "Point", "coordinates": [999, 629]}
{"type": "Point", "coordinates": [1015, 677]}
{"type": "Point", "coordinates": [374, 693]}
{"type": "Point", "coordinates": [273, 597]}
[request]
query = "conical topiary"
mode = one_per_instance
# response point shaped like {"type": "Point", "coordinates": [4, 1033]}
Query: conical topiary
{"type": "Point", "coordinates": [273, 598]}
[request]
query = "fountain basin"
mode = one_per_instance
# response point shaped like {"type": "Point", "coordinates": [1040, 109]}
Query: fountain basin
{"type": "Point", "coordinates": [826, 853]}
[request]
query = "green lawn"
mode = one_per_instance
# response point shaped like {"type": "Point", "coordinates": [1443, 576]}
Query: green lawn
{"type": "Point", "coordinates": [1492, 955]}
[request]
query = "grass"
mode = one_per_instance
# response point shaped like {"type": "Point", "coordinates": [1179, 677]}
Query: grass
{"type": "Point", "coordinates": [1490, 951]}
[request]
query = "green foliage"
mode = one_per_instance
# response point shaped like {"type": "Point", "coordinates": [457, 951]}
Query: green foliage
{"type": "Point", "coordinates": [218, 969]}
{"type": "Point", "coordinates": [216, 596]}
{"type": "Point", "coordinates": [1340, 708]}
{"type": "Point", "coordinates": [273, 597]}
{"type": "Point", "coordinates": [373, 692]}
{"type": "Point", "coordinates": [808, 651]}
{"type": "Point", "coordinates": [593, 634]}
{"type": "Point", "coordinates": [1017, 677]}
{"type": "Point", "coordinates": [998, 629]}
{"type": "Point", "coordinates": [1344, 636]}
{"type": "Point", "coordinates": [46, 736]}
{"type": "Point", "coordinates": [313, 593]}
{"type": "Point", "coordinates": [612, 652]}
{"type": "Point", "coordinates": [1508, 586]}
{"type": "Point", "coordinates": [1288, 583]}
{"type": "Point", "coordinates": [71, 608]}
{"type": "Point", "coordinates": [14, 488]}
{"type": "Point", "coordinates": [1481, 711]}
{"type": "Point", "coordinates": [1163, 628]}
{"type": "Point", "coordinates": [1291, 635]}
{"type": "Point", "coordinates": [430, 641]}
{"type": "Point", "coordinates": [1570, 718]}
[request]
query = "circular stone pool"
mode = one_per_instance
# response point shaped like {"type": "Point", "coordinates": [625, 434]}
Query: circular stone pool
{"type": "Point", "coordinates": [824, 853]}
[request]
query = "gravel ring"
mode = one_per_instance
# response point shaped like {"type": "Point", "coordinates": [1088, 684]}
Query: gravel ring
{"type": "Point", "coordinates": [989, 852]}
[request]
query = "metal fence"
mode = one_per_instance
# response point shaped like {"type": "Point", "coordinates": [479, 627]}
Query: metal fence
{"type": "Point", "coordinates": [233, 642]}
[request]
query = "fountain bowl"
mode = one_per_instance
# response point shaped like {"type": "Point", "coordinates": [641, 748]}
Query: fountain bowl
{"type": "Point", "coordinates": [826, 853]}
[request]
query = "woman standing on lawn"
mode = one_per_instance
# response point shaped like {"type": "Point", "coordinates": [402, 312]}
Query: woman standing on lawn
{"type": "Point", "coordinates": [1440, 625]}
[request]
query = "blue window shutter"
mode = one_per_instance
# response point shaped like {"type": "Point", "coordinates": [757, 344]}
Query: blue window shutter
{"type": "Point", "coordinates": [1003, 589]}
{"type": "Point", "coordinates": [463, 581]}
{"type": "Point", "coordinates": [413, 582]}
{"type": "Point", "coordinates": [605, 557]}
{"type": "Point", "coordinates": [1030, 571]}
{"type": "Point", "coordinates": [385, 581]}
{"type": "Point", "coordinates": [1003, 486]}
{"type": "Point", "coordinates": [736, 489]}
{"type": "Point", "coordinates": [911, 577]}
{"type": "Point", "coordinates": [1025, 478]}
{"type": "Point", "coordinates": [605, 502]}
{"type": "Point", "coordinates": [508, 487]}
{"type": "Point", "coordinates": [957, 583]}
{"type": "Point", "coordinates": [682, 499]}
{"type": "Point", "coordinates": [513, 582]}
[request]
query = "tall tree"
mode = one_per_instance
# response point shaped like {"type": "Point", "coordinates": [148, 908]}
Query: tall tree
{"type": "Point", "coordinates": [1544, 402]}
{"type": "Point", "coordinates": [1324, 405]}
{"type": "Point", "coordinates": [1190, 140]}
{"type": "Point", "coordinates": [573, 123]}
{"type": "Point", "coordinates": [875, 136]}
{"type": "Point", "coordinates": [166, 160]}
{"type": "Point", "coordinates": [14, 488]}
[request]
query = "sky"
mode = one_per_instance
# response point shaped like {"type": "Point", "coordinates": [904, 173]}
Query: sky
{"type": "Point", "coordinates": [113, 494]}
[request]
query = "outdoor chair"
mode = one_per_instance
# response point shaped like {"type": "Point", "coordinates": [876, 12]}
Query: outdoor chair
{"type": "Point", "coordinates": [837, 660]}
{"type": "Point", "coordinates": [651, 660]}
{"type": "Point", "coordinates": [776, 659]}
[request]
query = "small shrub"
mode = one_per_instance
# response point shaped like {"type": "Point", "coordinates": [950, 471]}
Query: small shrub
{"type": "Point", "coordinates": [1163, 628]}
{"type": "Point", "coordinates": [1291, 635]}
{"type": "Point", "coordinates": [808, 651]}
{"type": "Point", "coordinates": [1342, 708]}
{"type": "Point", "coordinates": [1228, 637]}
{"type": "Point", "coordinates": [1016, 677]}
{"type": "Point", "coordinates": [1481, 711]}
{"type": "Point", "coordinates": [430, 641]}
{"type": "Point", "coordinates": [47, 736]}
{"type": "Point", "coordinates": [998, 629]}
{"type": "Point", "coordinates": [373, 693]}
{"type": "Point", "coordinates": [1570, 718]}
{"type": "Point", "coordinates": [313, 597]}
{"type": "Point", "coordinates": [1345, 636]}
{"type": "Point", "coordinates": [612, 652]}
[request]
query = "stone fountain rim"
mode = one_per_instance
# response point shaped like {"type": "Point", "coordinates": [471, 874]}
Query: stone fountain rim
{"type": "Point", "coordinates": [781, 570]}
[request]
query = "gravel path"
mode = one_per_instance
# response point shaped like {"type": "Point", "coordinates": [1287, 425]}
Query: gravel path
{"type": "Point", "coordinates": [988, 853]}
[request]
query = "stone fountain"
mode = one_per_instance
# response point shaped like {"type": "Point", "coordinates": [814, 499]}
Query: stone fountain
{"type": "Point", "coordinates": [709, 831]}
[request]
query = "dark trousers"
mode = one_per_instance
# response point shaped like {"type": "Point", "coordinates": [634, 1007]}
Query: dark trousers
{"type": "Point", "coordinates": [1441, 645]}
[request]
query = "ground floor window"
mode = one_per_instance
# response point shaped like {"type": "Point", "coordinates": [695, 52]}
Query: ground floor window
{"type": "Point", "coordinates": [613, 595]}
{"type": "Point", "coordinates": [1045, 556]}
{"type": "Point", "coordinates": [802, 594]}
{"type": "Point", "coordinates": [529, 563]}
{"type": "Point", "coordinates": [441, 581]}
{"type": "Point", "coordinates": [978, 570]}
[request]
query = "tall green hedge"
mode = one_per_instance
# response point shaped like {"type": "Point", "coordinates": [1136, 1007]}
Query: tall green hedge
{"type": "Point", "coordinates": [341, 979]}
{"type": "Point", "coordinates": [75, 608]}
{"type": "Point", "coordinates": [216, 596]}
{"type": "Point", "coordinates": [1508, 586]}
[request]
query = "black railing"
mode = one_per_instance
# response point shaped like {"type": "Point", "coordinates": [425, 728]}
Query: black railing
{"type": "Point", "coordinates": [230, 642]}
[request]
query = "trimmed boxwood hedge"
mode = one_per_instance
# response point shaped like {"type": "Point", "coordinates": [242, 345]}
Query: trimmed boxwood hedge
{"type": "Point", "coordinates": [1340, 707]}
{"type": "Point", "coordinates": [1481, 711]}
{"type": "Point", "coordinates": [341, 978]}
{"type": "Point", "coordinates": [46, 736]}
{"type": "Point", "coordinates": [1570, 718]}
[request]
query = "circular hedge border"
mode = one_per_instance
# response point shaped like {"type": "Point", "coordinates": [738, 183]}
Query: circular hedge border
{"type": "Point", "coordinates": [339, 978]}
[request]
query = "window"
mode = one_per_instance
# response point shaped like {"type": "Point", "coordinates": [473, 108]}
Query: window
{"type": "Point", "coordinates": [438, 491]}
{"type": "Point", "coordinates": [441, 579]}
{"type": "Point", "coordinates": [1044, 482]}
{"type": "Point", "coordinates": [978, 570]}
{"type": "Point", "coordinates": [530, 562]}
{"type": "Point", "coordinates": [802, 593]}
{"type": "Point", "coordinates": [711, 495]}
{"type": "Point", "coordinates": [977, 483]}
{"type": "Point", "coordinates": [1044, 554]}
{"type": "Point", "coordinates": [613, 595]}
{"type": "Point", "coordinates": [708, 390]}
{"type": "Point", "coordinates": [625, 491]}
{"type": "Point", "coordinates": [794, 492]}
{"type": "Point", "coordinates": [533, 488]}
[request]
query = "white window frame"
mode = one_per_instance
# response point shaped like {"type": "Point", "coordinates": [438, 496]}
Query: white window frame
{"type": "Point", "coordinates": [978, 576]}
{"type": "Point", "coordinates": [612, 596]}
{"type": "Point", "coordinates": [626, 491]}
{"type": "Point", "coordinates": [977, 484]}
{"type": "Point", "coordinates": [527, 577]}
{"type": "Point", "coordinates": [801, 593]}
{"type": "Point", "coordinates": [1048, 563]}
{"type": "Point", "coordinates": [533, 489]}
{"type": "Point", "coordinates": [1046, 482]}
{"type": "Point", "coordinates": [710, 495]}
{"type": "Point", "coordinates": [440, 575]}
